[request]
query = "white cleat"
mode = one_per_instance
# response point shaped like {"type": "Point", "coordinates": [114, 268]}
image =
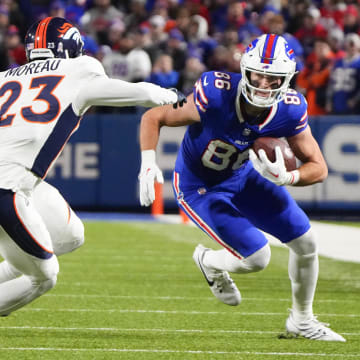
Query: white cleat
{"type": "Point", "coordinates": [221, 284]}
{"type": "Point", "coordinates": [312, 329]}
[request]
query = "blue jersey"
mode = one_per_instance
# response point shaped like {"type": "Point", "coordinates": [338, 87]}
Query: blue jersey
{"type": "Point", "coordinates": [217, 147]}
{"type": "Point", "coordinates": [345, 84]}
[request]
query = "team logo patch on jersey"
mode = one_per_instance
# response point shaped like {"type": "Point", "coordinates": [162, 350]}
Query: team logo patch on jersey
{"type": "Point", "coordinates": [201, 191]}
{"type": "Point", "coordinates": [180, 196]}
{"type": "Point", "coordinates": [246, 132]}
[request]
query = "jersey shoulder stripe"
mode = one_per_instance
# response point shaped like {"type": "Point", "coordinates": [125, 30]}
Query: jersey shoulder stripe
{"type": "Point", "coordinates": [201, 99]}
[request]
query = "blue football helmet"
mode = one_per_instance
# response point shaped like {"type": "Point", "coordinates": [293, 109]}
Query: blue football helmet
{"type": "Point", "coordinates": [53, 37]}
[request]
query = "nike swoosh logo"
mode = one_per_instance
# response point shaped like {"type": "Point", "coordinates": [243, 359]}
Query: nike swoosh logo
{"type": "Point", "coordinates": [211, 283]}
{"type": "Point", "coordinates": [275, 175]}
{"type": "Point", "coordinates": [205, 82]}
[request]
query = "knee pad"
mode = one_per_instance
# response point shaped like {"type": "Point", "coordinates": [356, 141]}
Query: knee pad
{"type": "Point", "coordinates": [260, 259]}
{"type": "Point", "coordinates": [46, 279]}
{"type": "Point", "coordinates": [47, 284]}
{"type": "Point", "coordinates": [72, 237]}
{"type": "Point", "coordinates": [304, 245]}
{"type": "Point", "coordinates": [43, 285]}
{"type": "Point", "coordinates": [255, 262]}
{"type": "Point", "coordinates": [76, 231]}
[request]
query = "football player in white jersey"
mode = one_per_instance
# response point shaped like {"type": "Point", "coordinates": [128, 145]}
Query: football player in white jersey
{"type": "Point", "coordinates": [42, 103]}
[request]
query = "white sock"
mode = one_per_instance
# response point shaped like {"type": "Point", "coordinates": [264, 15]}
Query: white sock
{"type": "Point", "coordinates": [303, 273]}
{"type": "Point", "coordinates": [223, 260]}
{"type": "Point", "coordinates": [8, 272]}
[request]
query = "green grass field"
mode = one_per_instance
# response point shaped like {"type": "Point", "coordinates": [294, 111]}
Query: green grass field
{"type": "Point", "coordinates": [133, 292]}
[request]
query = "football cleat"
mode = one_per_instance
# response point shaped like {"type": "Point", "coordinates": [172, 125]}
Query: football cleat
{"type": "Point", "coordinates": [220, 283]}
{"type": "Point", "coordinates": [311, 329]}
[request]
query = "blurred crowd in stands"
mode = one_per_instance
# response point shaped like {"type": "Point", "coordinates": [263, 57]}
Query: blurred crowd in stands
{"type": "Point", "coordinates": [171, 42]}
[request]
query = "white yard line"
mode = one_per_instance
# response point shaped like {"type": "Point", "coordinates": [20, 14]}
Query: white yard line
{"type": "Point", "coordinates": [183, 312]}
{"type": "Point", "coordinates": [201, 331]}
{"type": "Point", "coordinates": [187, 298]}
{"type": "Point", "coordinates": [171, 351]}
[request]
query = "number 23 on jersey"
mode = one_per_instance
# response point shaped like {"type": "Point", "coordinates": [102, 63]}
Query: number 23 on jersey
{"type": "Point", "coordinates": [46, 86]}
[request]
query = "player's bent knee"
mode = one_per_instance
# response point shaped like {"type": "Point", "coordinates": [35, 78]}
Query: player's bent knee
{"type": "Point", "coordinates": [304, 245]}
{"type": "Point", "coordinates": [44, 285]}
{"type": "Point", "coordinates": [73, 237]}
{"type": "Point", "coordinates": [46, 280]}
{"type": "Point", "coordinates": [77, 232]}
{"type": "Point", "coordinates": [255, 262]}
{"type": "Point", "coordinates": [260, 259]}
{"type": "Point", "coordinates": [48, 284]}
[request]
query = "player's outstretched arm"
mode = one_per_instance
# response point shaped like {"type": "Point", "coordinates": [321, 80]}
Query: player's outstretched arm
{"type": "Point", "coordinates": [150, 126]}
{"type": "Point", "coordinates": [103, 91]}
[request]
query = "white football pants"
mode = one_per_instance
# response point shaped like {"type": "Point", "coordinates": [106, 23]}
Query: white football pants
{"type": "Point", "coordinates": [54, 228]}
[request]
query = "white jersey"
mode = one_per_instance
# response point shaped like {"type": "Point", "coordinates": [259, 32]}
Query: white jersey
{"type": "Point", "coordinates": [37, 116]}
{"type": "Point", "coordinates": [41, 104]}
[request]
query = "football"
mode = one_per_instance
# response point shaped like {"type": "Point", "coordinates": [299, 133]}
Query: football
{"type": "Point", "coordinates": [268, 144]}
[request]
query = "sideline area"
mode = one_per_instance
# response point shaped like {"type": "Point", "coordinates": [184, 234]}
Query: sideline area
{"type": "Point", "coordinates": [338, 242]}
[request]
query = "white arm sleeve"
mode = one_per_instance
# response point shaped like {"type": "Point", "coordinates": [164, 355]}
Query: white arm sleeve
{"type": "Point", "coordinates": [103, 91]}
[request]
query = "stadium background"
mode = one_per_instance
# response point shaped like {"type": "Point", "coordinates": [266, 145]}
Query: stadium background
{"type": "Point", "coordinates": [173, 41]}
{"type": "Point", "coordinates": [98, 169]}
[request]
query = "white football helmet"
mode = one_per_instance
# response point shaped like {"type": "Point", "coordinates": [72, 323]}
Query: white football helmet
{"type": "Point", "coordinates": [271, 55]}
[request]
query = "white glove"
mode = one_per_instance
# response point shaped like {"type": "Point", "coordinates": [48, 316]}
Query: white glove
{"type": "Point", "coordinates": [149, 173]}
{"type": "Point", "coordinates": [274, 171]}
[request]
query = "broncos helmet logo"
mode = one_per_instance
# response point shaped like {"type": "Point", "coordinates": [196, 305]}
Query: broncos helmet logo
{"type": "Point", "coordinates": [69, 32]}
{"type": "Point", "coordinates": [63, 29]}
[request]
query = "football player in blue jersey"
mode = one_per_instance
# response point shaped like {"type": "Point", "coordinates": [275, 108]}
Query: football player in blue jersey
{"type": "Point", "coordinates": [231, 193]}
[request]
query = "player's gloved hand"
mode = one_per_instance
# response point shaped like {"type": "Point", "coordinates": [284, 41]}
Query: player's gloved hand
{"type": "Point", "coordinates": [149, 173]}
{"type": "Point", "coordinates": [181, 98]}
{"type": "Point", "coordinates": [274, 171]}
